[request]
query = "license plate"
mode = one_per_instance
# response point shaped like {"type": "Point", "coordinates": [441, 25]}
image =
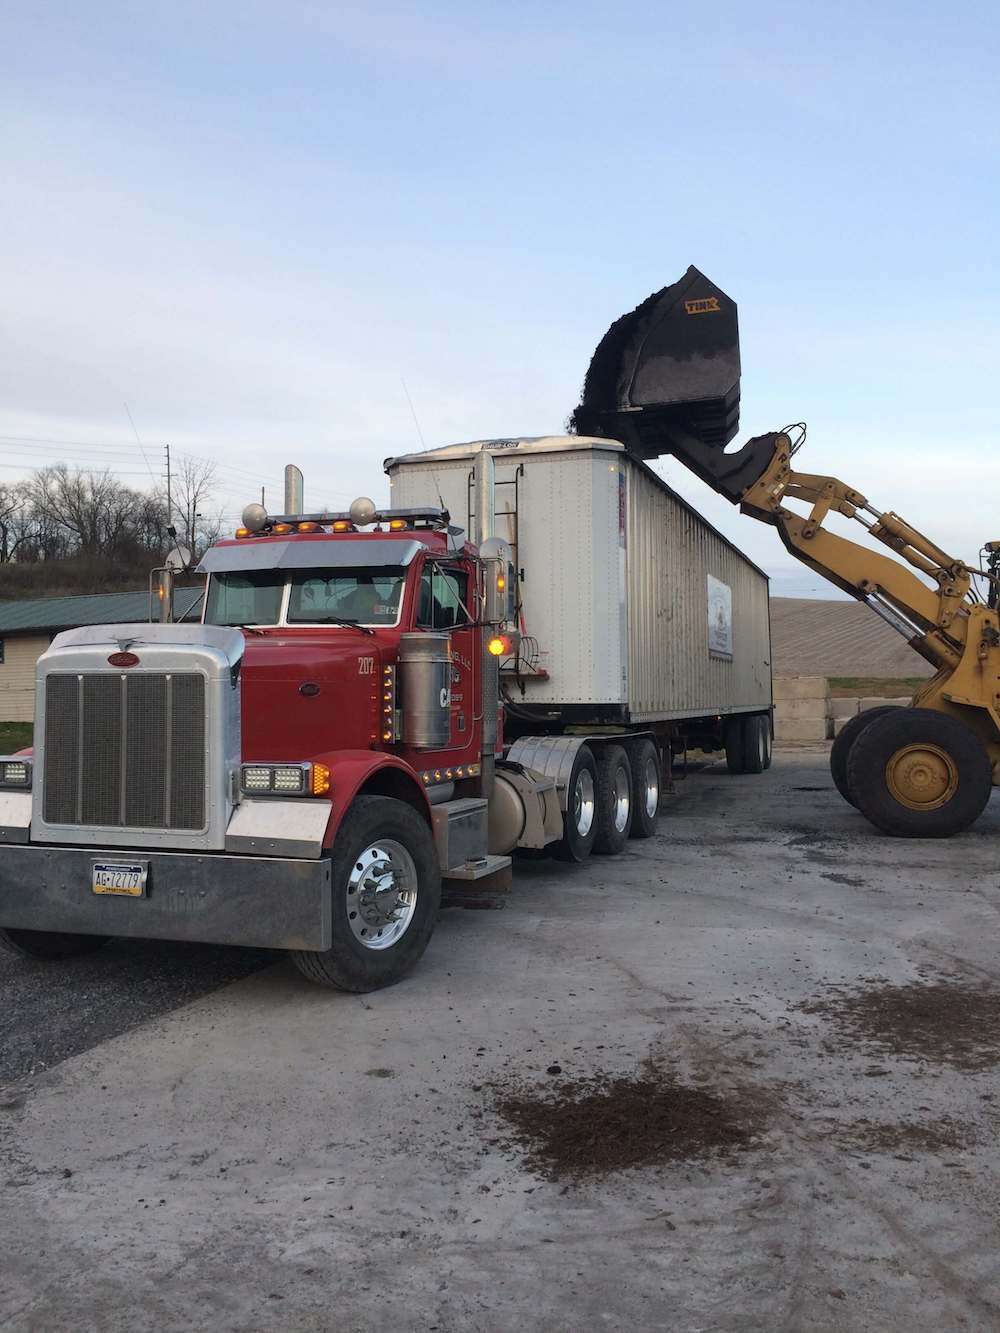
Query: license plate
{"type": "Point", "coordinates": [124, 878]}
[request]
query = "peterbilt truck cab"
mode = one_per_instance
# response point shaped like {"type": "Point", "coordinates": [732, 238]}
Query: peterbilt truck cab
{"type": "Point", "coordinates": [303, 770]}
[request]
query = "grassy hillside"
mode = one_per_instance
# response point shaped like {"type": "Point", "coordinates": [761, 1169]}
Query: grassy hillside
{"type": "Point", "coordinates": [76, 577]}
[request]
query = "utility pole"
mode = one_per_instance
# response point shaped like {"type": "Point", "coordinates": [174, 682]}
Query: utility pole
{"type": "Point", "coordinates": [170, 509]}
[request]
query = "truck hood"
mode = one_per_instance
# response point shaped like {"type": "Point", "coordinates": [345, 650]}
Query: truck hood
{"type": "Point", "coordinates": [305, 694]}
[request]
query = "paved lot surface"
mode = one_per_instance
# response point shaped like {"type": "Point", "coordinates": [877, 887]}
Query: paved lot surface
{"type": "Point", "coordinates": [273, 1156]}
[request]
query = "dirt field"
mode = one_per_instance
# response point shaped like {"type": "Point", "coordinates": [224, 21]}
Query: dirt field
{"type": "Point", "coordinates": [746, 1076]}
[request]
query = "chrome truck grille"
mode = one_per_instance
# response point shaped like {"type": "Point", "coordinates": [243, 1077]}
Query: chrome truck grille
{"type": "Point", "coordinates": [125, 751]}
{"type": "Point", "coordinates": [141, 755]}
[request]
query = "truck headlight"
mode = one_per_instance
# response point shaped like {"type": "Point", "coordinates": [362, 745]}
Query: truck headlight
{"type": "Point", "coordinates": [16, 773]}
{"type": "Point", "coordinates": [285, 779]}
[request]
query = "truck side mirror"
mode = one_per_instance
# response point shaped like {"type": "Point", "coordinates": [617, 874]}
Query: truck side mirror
{"type": "Point", "coordinates": [501, 600]}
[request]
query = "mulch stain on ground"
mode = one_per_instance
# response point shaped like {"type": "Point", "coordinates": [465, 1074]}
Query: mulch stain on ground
{"type": "Point", "coordinates": [927, 1137]}
{"type": "Point", "coordinates": [950, 1022]}
{"type": "Point", "coordinates": [592, 1126]}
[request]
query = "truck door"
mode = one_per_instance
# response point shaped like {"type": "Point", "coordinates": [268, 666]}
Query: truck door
{"type": "Point", "coordinates": [445, 603]}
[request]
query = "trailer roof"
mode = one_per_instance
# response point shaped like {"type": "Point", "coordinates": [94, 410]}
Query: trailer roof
{"type": "Point", "coordinates": [523, 444]}
{"type": "Point", "coordinates": [554, 444]}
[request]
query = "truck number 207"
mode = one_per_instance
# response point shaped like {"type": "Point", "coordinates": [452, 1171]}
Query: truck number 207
{"type": "Point", "coordinates": [366, 666]}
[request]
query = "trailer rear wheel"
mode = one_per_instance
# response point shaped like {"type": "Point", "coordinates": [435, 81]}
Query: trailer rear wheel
{"type": "Point", "coordinates": [756, 743]}
{"type": "Point", "coordinates": [734, 737]}
{"type": "Point", "coordinates": [386, 887]}
{"type": "Point", "coordinates": [614, 800]}
{"type": "Point", "coordinates": [918, 773]}
{"type": "Point", "coordinates": [645, 789]}
{"type": "Point", "coordinates": [843, 743]}
{"type": "Point", "coordinates": [50, 946]}
{"type": "Point", "coordinates": [580, 819]}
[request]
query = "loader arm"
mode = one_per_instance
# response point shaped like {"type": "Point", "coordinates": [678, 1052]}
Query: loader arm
{"type": "Point", "coordinates": [665, 379]}
{"type": "Point", "coordinates": [935, 620]}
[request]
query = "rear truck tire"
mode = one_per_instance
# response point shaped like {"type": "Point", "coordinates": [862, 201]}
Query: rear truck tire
{"type": "Point", "coordinates": [50, 946]}
{"type": "Point", "coordinates": [917, 773]}
{"type": "Point", "coordinates": [756, 743]}
{"type": "Point", "coordinates": [614, 800]}
{"type": "Point", "coordinates": [843, 744]}
{"type": "Point", "coordinates": [734, 739]}
{"type": "Point", "coordinates": [386, 886]}
{"type": "Point", "coordinates": [769, 738]}
{"type": "Point", "coordinates": [580, 817]}
{"type": "Point", "coordinates": [645, 763]}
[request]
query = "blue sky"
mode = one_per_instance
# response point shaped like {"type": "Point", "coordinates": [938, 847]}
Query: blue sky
{"type": "Point", "coordinates": [253, 222]}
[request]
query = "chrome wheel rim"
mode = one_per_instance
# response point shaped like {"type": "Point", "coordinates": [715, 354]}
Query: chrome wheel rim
{"type": "Point", "coordinates": [381, 894]}
{"type": "Point", "coordinates": [651, 783]}
{"type": "Point", "coordinates": [620, 798]}
{"type": "Point", "coordinates": [583, 802]}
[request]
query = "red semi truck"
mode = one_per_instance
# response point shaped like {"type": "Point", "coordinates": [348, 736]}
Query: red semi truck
{"type": "Point", "coordinates": [308, 767]}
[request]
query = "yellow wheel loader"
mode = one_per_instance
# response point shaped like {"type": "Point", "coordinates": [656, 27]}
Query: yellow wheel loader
{"type": "Point", "coordinates": [665, 379]}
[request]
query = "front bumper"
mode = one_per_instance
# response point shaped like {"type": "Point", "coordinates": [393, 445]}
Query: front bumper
{"type": "Point", "coordinates": [268, 902]}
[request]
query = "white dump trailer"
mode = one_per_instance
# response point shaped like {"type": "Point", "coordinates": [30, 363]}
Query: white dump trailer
{"type": "Point", "coordinates": [633, 611]}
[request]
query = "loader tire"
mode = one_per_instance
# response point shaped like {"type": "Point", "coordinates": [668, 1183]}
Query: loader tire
{"type": "Point", "coordinates": [918, 773]}
{"type": "Point", "coordinates": [614, 800]}
{"type": "Point", "coordinates": [383, 848]}
{"type": "Point", "coordinates": [50, 946]}
{"type": "Point", "coordinates": [843, 743]}
{"type": "Point", "coordinates": [645, 789]}
{"type": "Point", "coordinates": [580, 817]}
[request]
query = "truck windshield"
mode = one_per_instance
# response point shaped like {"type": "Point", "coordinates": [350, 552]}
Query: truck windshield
{"type": "Point", "coordinates": [245, 599]}
{"type": "Point", "coordinates": [369, 596]}
{"type": "Point", "coordinates": [305, 597]}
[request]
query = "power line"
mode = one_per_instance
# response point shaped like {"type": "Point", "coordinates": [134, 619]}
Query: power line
{"type": "Point", "coordinates": [142, 451]}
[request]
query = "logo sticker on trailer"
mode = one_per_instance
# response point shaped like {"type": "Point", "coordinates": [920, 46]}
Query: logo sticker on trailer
{"type": "Point", "coordinates": [707, 305]}
{"type": "Point", "coordinates": [720, 619]}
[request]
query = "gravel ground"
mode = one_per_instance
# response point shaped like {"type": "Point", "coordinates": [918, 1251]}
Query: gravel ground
{"type": "Point", "coordinates": [273, 1156]}
{"type": "Point", "coordinates": [50, 1011]}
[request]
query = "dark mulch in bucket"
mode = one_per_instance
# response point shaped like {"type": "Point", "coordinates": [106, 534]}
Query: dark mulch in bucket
{"type": "Point", "coordinates": [592, 1126]}
{"type": "Point", "coordinates": [951, 1022]}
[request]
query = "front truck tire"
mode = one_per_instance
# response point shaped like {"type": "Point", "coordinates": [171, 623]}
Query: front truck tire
{"type": "Point", "coordinates": [386, 886]}
{"type": "Point", "coordinates": [918, 773]}
{"type": "Point", "coordinates": [580, 817]}
{"type": "Point", "coordinates": [645, 788]}
{"type": "Point", "coordinates": [614, 800]}
{"type": "Point", "coordinates": [49, 946]}
{"type": "Point", "coordinates": [843, 743]}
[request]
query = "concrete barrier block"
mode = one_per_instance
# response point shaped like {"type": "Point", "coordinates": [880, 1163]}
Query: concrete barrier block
{"type": "Point", "coordinates": [845, 708]}
{"type": "Point", "coordinates": [865, 704]}
{"type": "Point", "coordinates": [801, 729]}
{"type": "Point", "coordinates": [800, 687]}
{"type": "Point", "coordinates": [800, 709]}
{"type": "Point", "coordinates": [839, 723]}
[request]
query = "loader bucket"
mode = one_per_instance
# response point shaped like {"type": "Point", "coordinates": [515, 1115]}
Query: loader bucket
{"type": "Point", "coordinates": [668, 374]}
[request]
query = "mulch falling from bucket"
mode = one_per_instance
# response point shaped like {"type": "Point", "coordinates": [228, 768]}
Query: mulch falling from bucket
{"type": "Point", "coordinates": [592, 1126]}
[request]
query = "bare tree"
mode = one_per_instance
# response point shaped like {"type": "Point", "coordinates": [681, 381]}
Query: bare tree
{"type": "Point", "coordinates": [15, 520]}
{"type": "Point", "coordinates": [193, 490]}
